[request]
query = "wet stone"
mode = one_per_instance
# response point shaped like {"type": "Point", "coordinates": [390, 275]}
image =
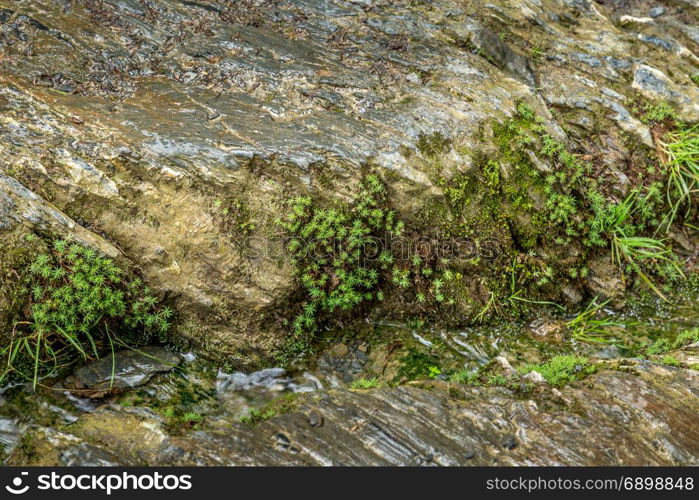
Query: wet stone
{"type": "Point", "coordinates": [124, 370]}
{"type": "Point", "coordinates": [315, 419]}
{"type": "Point", "coordinates": [656, 11]}
{"type": "Point", "coordinates": [509, 443]}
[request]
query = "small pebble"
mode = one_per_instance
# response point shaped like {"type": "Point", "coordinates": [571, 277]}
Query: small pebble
{"type": "Point", "coordinates": [657, 12]}
{"type": "Point", "coordinates": [315, 419]}
{"type": "Point", "coordinates": [510, 443]}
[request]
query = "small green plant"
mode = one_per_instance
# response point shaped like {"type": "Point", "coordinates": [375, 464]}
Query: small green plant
{"type": "Point", "coordinates": [670, 361]}
{"type": "Point", "coordinates": [467, 377]}
{"type": "Point", "coordinates": [168, 412]}
{"type": "Point", "coordinates": [490, 304]}
{"type": "Point", "coordinates": [660, 346]}
{"type": "Point", "coordinates": [681, 159]}
{"type": "Point", "coordinates": [695, 78]}
{"type": "Point", "coordinates": [588, 326]}
{"type": "Point", "coordinates": [80, 303]}
{"type": "Point", "coordinates": [614, 221]}
{"type": "Point", "coordinates": [655, 113]}
{"type": "Point", "coordinates": [365, 383]}
{"type": "Point", "coordinates": [256, 416]}
{"type": "Point", "coordinates": [561, 370]}
{"type": "Point", "coordinates": [191, 417]}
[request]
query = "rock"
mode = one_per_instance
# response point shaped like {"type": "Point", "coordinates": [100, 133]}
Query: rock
{"type": "Point", "coordinates": [126, 369]}
{"type": "Point", "coordinates": [510, 443]}
{"type": "Point", "coordinates": [548, 330]}
{"type": "Point", "coordinates": [125, 136]}
{"type": "Point", "coordinates": [505, 366]}
{"type": "Point", "coordinates": [645, 414]}
{"type": "Point", "coordinates": [604, 280]}
{"type": "Point", "coordinates": [534, 377]}
{"type": "Point", "coordinates": [340, 350]}
{"type": "Point", "coordinates": [656, 11]}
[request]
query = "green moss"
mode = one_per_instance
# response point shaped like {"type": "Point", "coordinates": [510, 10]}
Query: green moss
{"type": "Point", "coordinates": [18, 248]}
{"type": "Point", "coordinates": [434, 144]}
{"type": "Point", "coordinates": [416, 365]}
{"type": "Point", "coordinates": [278, 406]}
{"type": "Point", "coordinates": [659, 112]}
{"type": "Point", "coordinates": [670, 361]}
{"type": "Point", "coordinates": [365, 383]}
{"type": "Point", "coordinates": [466, 377]}
{"type": "Point", "coordinates": [344, 259]}
{"type": "Point", "coordinates": [80, 303]}
{"type": "Point", "coordinates": [666, 344]}
{"type": "Point", "coordinates": [562, 370]}
{"type": "Point", "coordinates": [235, 216]}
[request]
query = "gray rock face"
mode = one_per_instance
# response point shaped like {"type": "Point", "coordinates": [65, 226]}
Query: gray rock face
{"type": "Point", "coordinates": [175, 132]}
{"type": "Point", "coordinates": [643, 415]}
{"type": "Point", "coordinates": [126, 369]}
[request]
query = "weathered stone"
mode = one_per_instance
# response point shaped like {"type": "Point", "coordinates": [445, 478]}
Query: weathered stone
{"type": "Point", "coordinates": [131, 128]}
{"type": "Point", "coordinates": [641, 416]}
{"type": "Point", "coordinates": [548, 330]}
{"type": "Point", "coordinates": [125, 369]}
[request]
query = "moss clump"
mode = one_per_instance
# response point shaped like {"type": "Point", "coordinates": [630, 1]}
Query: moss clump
{"type": "Point", "coordinates": [18, 248]}
{"type": "Point", "coordinates": [670, 361]}
{"type": "Point", "coordinates": [417, 365]}
{"type": "Point", "coordinates": [365, 383]}
{"type": "Point", "coordinates": [329, 248]}
{"type": "Point", "coordinates": [235, 216]}
{"type": "Point", "coordinates": [344, 257]}
{"type": "Point", "coordinates": [659, 112]}
{"type": "Point", "coordinates": [562, 370]}
{"type": "Point", "coordinates": [433, 144]}
{"type": "Point", "coordinates": [277, 406]}
{"type": "Point", "coordinates": [466, 377]}
{"type": "Point", "coordinates": [663, 345]}
{"type": "Point", "coordinates": [80, 303]}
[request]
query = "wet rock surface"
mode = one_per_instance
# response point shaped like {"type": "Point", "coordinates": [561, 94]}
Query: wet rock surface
{"type": "Point", "coordinates": [125, 369]}
{"type": "Point", "coordinates": [641, 415]}
{"type": "Point", "coordinates": [173, 133]}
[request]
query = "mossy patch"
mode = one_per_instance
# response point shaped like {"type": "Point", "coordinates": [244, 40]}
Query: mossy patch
{"type": "Point", "coordinates": [278, 406]}
{"type": "Point", "coordinates": [562, 370]}
{"type": "Point", "coordinates": [433, 144]}
{"type": "Point", "coordinates": [18, 248]}
{"type": "Point", "coordinates": [78, 304]}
